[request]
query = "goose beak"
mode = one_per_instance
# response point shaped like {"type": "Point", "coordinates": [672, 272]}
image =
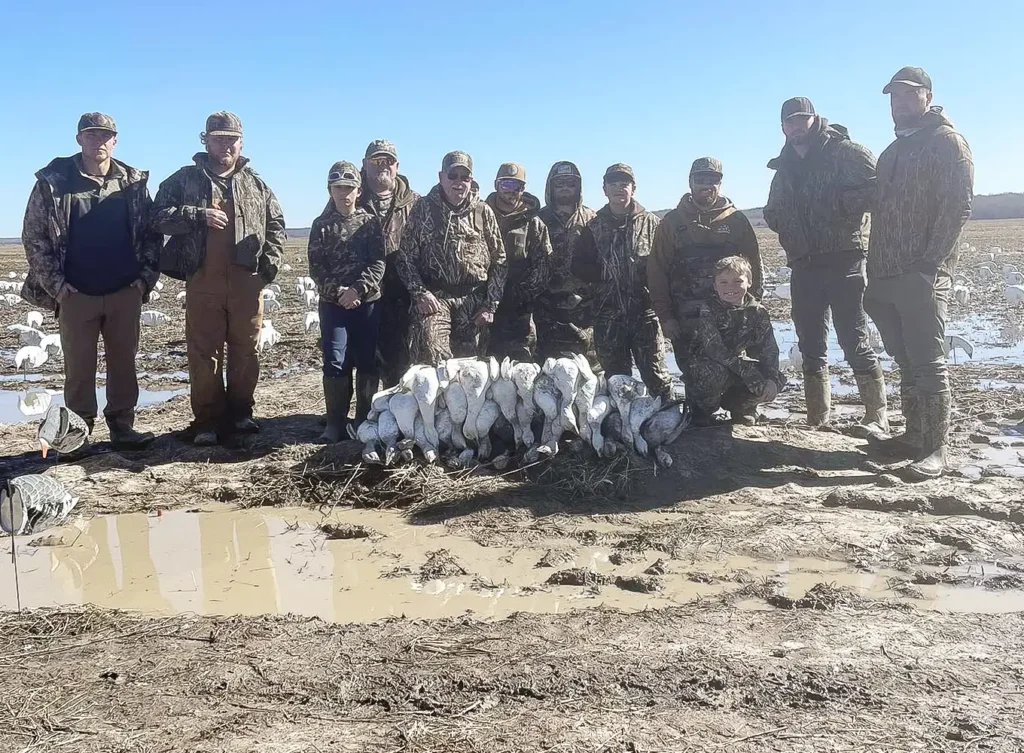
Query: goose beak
{"type": "Point", "coordinates": [45, 447]}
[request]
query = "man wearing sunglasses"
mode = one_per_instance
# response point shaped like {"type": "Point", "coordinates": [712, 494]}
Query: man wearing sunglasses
{"type": "Point", "coordinates": [611, 255]}
{"type": "Point", "coordinates": [452, 261]}
{"type": "Point", "coordinates": [703, 229]}
{"type": "Point", "coordinates": [227, 235]}
{"type": "Point", "coordinates": [562, 314]}
{"type": "Point", "coordinates": [387, 196]}
{"type": "Point", "coordinates": [527, 252]}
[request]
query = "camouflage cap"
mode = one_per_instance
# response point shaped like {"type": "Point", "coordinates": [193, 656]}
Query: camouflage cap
{"type": "Point", "coordinates": [619, 169]}
{"type": "Point", "coordinates": [457, 159]}
{"type": "Point", "coordinates": [511, 170]}
{"type": "Point", "coordinates": [223, 124]}
{"type": "Point", "coordinates": [706, 165]}
{"type": "Point", "coordinates": [96, 121]}
{"type": "Point", "coordinates": [378, 147]}
{"type": "Point", "coordinates": [911, 76]}
{"type": "Point", "coordinates": [344, 174]}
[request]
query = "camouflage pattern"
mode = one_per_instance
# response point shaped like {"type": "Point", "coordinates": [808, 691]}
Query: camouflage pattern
{"type": "Point", "coordinates": [611, 254]}
{"type": "Point", "coordinates": [925, 188]}
{"type": "Point", "coordinates": [96, 121]}
{"type": "Point", "coordinates": [179, 212]}
{"type": "Point", "coordinates": [48, 217]}
{"type": "Point", "coordinates": [688, 244]}
{"type": "Point", "coordinates": [564, 322]}
{"type": "Point", "coordinates": [706, 165]}
{"type": "Point", "coordinates": [378, 147]}
{"type": "Point", "coordinates": [455, 253]}
{"type": "Point", "coordinates": [346, 252]}
{"type": "Point", "coordinates": [457, 159]}
{"type": "Point", "coordinates": [818, 203]}
{"type": "Point", "coordinates": [223, 123]}
{"type": "Point", "coordinates": [451, 333]}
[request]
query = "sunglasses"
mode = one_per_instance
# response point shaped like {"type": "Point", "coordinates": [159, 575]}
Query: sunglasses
{"type": "Point", "coordinates": [341, 176]}
{"type": "Point", "coordinates": [510, 184]}
{"type": "Point", "coordinates": [706, 179]}
{"type": "Point", "coordinates": [460, 176]}
{"type": "Point", "coordinates": [382, 161]}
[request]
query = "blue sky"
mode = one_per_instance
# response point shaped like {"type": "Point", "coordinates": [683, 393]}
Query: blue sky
{"type": "Point", "coordinates": [655, 84]}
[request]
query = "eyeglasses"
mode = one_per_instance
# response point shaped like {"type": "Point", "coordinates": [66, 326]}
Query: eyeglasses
{"type": "Point", "coordinates": [459, 176]}
{"type": "Point", "coordinates": [706, 179]}
{"type": "Point", "coordinates": [383, 161]}
{"type": "Point", "coordinates": [510, 184]}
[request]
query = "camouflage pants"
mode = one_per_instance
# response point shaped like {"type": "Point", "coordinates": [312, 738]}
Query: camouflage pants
{"type": "Point", "coordinates": [623, 338]}
{"type": "Point", "coordinates": [510, 335]}
{"type": "Point", "coordinates": [710, 386]}
{"type": "Point", "coordinates": [449, 333]}
{"type": "Point", "coordinates": [557, 336]}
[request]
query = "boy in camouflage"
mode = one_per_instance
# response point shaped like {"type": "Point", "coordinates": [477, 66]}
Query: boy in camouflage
{"type": "Point", "coordinates": [347, 262]}
{"type": "Point", "coordinates": [734, 360]}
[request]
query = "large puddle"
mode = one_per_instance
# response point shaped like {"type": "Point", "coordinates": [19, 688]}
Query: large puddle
{"type": "Point", "coordinates": [31, 404]}
{"type": "Point", "coordinates": [278, 561]}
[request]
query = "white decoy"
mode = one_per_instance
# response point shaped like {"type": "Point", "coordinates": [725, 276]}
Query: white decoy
{"type": "Point", "coordinates": [428, 448]}
{"type": "Point", "coordinates": [32, 503]}
{"type": "Point", "coordinates": [425, 388]}
{"type": "Point", "coordinates": [962, 294]}
{"type": "Point", "coordinates": [300, 287]}
{"type": "Point", "coordinates": [388, 431]}
{"type": "Point", "coordinates": [405, 409]}
{"type": "Point", "coordinates": [485, 419]}
{"type": "Point", "coordinates": [275, 289]}
{"type": "Point", "coordinates": [286, 268]}
{"type": "Point", "coordinates": [30, 357]}
{"type": "Point", "coordinates": [154, 296]}
{"type": "Point", "coordinates": [312, 321]}
{"type": "Point", "coordinates": [367, 434]}
{"type": "Point", "coordinates": [664, 427]}
{"type": "Point", "coordinates": [505, 394]}
{"type": "Point", "coordinates": [311, 298]}
{"type": "Point", "coordinates": [586, 391]}
{"type": "Point", "coordinates": [180, 298]}
{"type": "Point", "coordinates": [382, 398]}
{"type": "Point", "coordinates": [34, 319]}
{"type": "Point", "coordinates": [12, 275]}
{"type": "Point", "coordinates": [152, 318]}
{"type": "Point", "coordinates": [796, 357]}
{"type": "Point", "coordinates": [443, 424]}
{"type": "Point", "coordinates": [783, 292]}
{"type": "Point", "coordinates": [952, 342]}
{"type": "Point", "coordinates": [546, 396]}
{"type": "Point", "coordinates": [595, 418]}
{"type": "Point", "coordinates": [27, 335]}
{"type": "Point", "coordinates": [641, 410]}
{"type": "Point", "coordinates": [61, 430]}
{"type": "Point", "coordinates": [24, 276]}
{"type": "Point", "coordinates": [1014, 294]}
{"type": "Point", "coordinates": [624, 391]}
{"type": "Point", "coordinates": [158, 286]}
{"type": "Point", "coordinates": [270, 305]}
{"type": "Point", "coordinates": [1009, 269]}
{"type": "Point", "coordinates": [784, 273]}
{"type": "Point", "coordinates": [1014, 278]}
{"type": "Point", "coordinates": [52, 345]}
{"type": "Point", "coordinates": [11, 300]}
{"type": "Point", "coordinates": [268, 336]}
{"type": "Point", "coordinates": [309, 282]}
{"type": "Point", "coordinates": [474, 377]}
{"type": "Point", "coordinates": [566, 373]}
{"type": "Point", "coordinates": [267, 294]}
{"type": "Point", "coordinates": [523, 376]}
{"type": "Point", "coordinates": [34, 402]}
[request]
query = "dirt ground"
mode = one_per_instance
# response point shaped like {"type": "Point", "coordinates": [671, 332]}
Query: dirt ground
{"type": "Point", "coordinates": [749, 664]}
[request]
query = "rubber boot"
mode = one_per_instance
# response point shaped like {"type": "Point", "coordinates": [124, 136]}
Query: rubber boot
{"type": "Point", "coordinates": [871, 386]}
{"type": "Point", "coordinates": [124, 437]}
{"type": "Point", "coordinates": [905, 446]}
{"type": "Point", "coordinates": [931, 463]}
{"type": "Point", "coordinates": [818, 396]}
{"type": "Point", "coordinates": [367, 384]}
{"type": "Point", "coordinates": [338, 397]}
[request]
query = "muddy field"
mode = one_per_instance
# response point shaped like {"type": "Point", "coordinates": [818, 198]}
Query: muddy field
{"type": "Point", "coordinates": [775, 590]}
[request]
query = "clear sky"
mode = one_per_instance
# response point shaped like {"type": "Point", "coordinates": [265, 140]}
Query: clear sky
{"type": "Point", "coordinates": [654, 84]}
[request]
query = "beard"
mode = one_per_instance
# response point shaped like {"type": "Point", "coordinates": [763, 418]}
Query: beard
{"type": "Point", "coordinates": [383, 183]}
{"type": "Point", "coordinates": [800, 139]}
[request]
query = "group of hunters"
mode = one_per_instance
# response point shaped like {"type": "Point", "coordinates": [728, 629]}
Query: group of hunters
{"type": "Point", "coordinates": [407, 279]}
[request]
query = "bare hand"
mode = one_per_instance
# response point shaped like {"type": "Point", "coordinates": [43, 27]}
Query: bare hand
{"type": "Point", "coordinates": [66, 290]}
{"type": "Point", "coordinates": [483, 319]}
{"type": "Point", "coordinates": [671, 329]}
{"type": "Point", "coordinates": [215, 219]}
{"type": "Point", "coordinates": [349, 298]}
{"type": "Point", "coordinates": [769, 391]}
{"type": "Point", "coordinates": [427, 304]}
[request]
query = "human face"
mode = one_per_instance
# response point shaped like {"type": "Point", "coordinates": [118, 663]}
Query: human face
{"type": "Point", "coordinates": [381, 173]}
{"type": "Point", "coordinates": [908, 104]}
{"type": "Point", "coordinates": [705, 189]}
{"type": "Point", "coordinates": [510, 192]}
{"type": "Point", "coordinates": [456, 184]}
{"type": "Point", "coordinates": [344, 198]}
{"type": "Point", "coordinates": [797, 129]}
{"type": "Point", "coordinates": [731, 287]}
{"type": "Point", "coordinates": [224, 150]}
{"type": "Point", "coordinates": [619, 190]}
{"type": "Point", "coordinates": [565, 190]}
{"type": "Point", "coordinates": [97, 144]}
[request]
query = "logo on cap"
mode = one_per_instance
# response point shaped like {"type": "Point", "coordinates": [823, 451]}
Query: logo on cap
{"type": "Point", "coordinates": [457, 159]}
{"type": "Point", "coordinates": [381, 146]}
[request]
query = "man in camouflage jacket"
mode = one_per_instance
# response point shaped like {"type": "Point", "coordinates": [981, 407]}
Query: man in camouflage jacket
{"type": "Point", "coordinates": [611, 255]}
{"type": "Point", "coordinates": [818, 204]}
{"type": "Point", "coordinates": [452, 261]}
{"type": "Point", "coordinates": [93, 259]}
{"type": "Point", "coordinates": [227, 235]}
{"type": "Point", "coordinates": [527, 253]}
{"type": "Point", "coordinates": [563, 317]}
{"type": "Point", "coordinates": [925, 187]}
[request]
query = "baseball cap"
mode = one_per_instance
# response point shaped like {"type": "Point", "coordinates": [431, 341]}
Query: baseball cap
{"type": "Point", "coordinates": [344, 174]}
{"type": "Point", "coordinates": [457, 159]}
{"type": "Point", "coordinates": [223, 124]}
{"type": "Point", "coordinates": [380, 147]}
{"type": "Point", "coordinates": [96, 121]}
{"type": "Point", "coordinates": [911, 76]}
{"type": "Point", "coordinates": [619, 170]}
{"type": "Point", "coordinates": [512, 171]}
{"type": "Point", "coordinates": [706, 165]}
{"type": "Point", "coordinates": [797, 106]}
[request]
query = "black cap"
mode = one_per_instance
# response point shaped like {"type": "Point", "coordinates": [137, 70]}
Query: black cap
{"type": "Point", "coordinates": [910, 76]}
{"type": "Point", "coordinates": [796, 106]}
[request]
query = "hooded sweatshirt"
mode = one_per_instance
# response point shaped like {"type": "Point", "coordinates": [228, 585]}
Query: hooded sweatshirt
{"type": "Point", "coordinates": [392, 221]}
{"type": "Point", "coordinates": [346, 252]}
{"type": "Point", "coordinates": [925, 188]}
{"type": "Point", "coordinates": [452, 252]}
{"type": "Point", "coordinates": [688, 244]}
{"type": "Point", "coordinates": [741, 339]}
{"type": "Point", "coordinates": [564, 230]}
{"type": "Point", "coordinates": [818, 203]}
{"type": "Point", "coordinates": [527, 252]}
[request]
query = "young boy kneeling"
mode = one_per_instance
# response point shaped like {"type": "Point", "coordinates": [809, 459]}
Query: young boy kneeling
{"type": "Point", "coordinates": [734, 363]}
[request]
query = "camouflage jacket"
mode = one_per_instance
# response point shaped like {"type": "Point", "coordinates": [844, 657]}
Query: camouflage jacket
{"type": "Point", "coordinates": [611, 253]}
{"type": "Point", "coordinates": [741, 339]}
{"type": "Point", "coordinates": [527, 252]}
{"type": "Point", "coordinates": [48, 217]}
{"type": "Point", "coordinates": [452, 252]}
{"type": "Point", "coordinates": [688, 244]}
{"type": "Point", "coordinates": [346, 252]}
{"type": "Point", "coordinates": [563, 232]}
{"type": "Point", "coordinates": [925, 188]}
{"type": "Point", "coordinates": [818, 203]}
{"type": "Point", "coordinates": [179, 211]}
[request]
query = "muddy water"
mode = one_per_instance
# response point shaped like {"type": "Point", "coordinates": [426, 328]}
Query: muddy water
{"type": "Point", "coordinates": [277, 562]}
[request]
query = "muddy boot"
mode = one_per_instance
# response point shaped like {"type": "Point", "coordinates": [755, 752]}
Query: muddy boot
{"type": "Point", "coordinates": [931, 463]}
{"type": "Point", "coordinates": [818, 396]}
{"type": "Point", "coordinates": [908, 444]}
{"type": "Point", "coordinates": [338, 397]}
{"type": "Point", "coordinates": [124, 437]}
{"type": "Point", "coordinates": [876, 414]}
{"type": "Point", "coordinates": [366, 387]}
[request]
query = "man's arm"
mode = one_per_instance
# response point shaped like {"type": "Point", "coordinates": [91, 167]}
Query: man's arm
{"type": "Point", "coordinates": [42, 256]}
{"type": "Point", "coordinates": [953, 186]}
{"type": "Point", "coordinates": [320, 265]}
{"type": "Point", "coordinates": [538, 256]}
{"type": "Point", "coordinates": [774, 207]}
{"type": "Point", "coordinates": [497, 272]}
{"type": "Point", "coordinates": [152, 244]}
{"type": "Point", "coordinates": [171, 216]}
{"type": "Point", "coordinates": [856, 180]}
{"type": "Point", "coordinates": [372, 276]}
{"type": "Point", "coordinates": [273, 244]}
{"type": "Point", "coordinates": [659, 268]}
{"type": "Point", "coordinates": [407, 257]}
{"type": "Point", "coordinates": [585, 263]}
{"type": "Point", "coordinates": [749, 249]}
